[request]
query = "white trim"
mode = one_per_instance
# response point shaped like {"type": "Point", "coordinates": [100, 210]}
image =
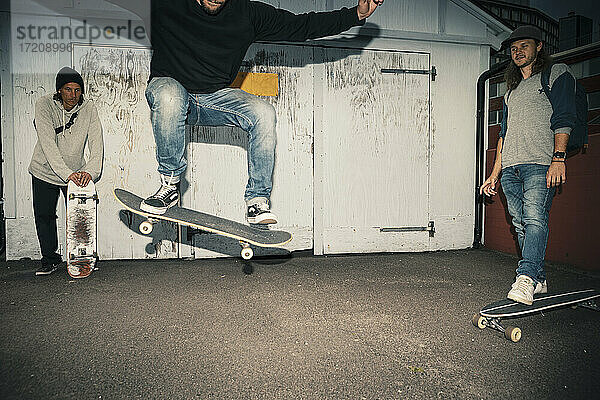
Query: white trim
{"type": "Point", "coordinates": [491, 21]}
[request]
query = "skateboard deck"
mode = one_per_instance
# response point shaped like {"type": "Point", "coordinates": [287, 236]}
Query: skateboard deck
{"type": "Point", "coordinates": [81, 229]}
{"type": "Point", "coordinates": [245, 234]}
{"type": "Point", "coordinates": [491, 315]}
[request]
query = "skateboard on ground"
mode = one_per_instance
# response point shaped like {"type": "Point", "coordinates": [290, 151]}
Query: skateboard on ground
{"type": "Point", "coordinates": [245, 234]}
{"type": "Point", "coordinates": [81, 229]}
{"type": "Point", "coordinates": [492, 314]}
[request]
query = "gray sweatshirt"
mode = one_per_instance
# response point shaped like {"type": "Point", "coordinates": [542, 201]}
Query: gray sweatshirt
{"type": "Point", "coordinates": [56, 156]}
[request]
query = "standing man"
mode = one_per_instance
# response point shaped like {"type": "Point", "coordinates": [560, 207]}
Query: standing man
{"type": "Point", "coordinates": [65, 122]}
{"type": "Point", "coordinates": [531, 152]}
{"type": "Point", "coordinates": [198, 47]}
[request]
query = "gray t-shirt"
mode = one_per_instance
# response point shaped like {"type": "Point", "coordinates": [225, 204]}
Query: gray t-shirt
{"type": "Point", "coordinates": [529, 139]}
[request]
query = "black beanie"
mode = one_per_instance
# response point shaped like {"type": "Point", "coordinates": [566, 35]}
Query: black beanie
{"type": "Point", "coordinates": [68, 75]}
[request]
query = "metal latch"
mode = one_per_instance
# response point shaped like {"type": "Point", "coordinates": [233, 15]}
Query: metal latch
{"type": "Point", "coordinates": [432, 71]}
{"type": "Point", "coordinates": [429, 228]}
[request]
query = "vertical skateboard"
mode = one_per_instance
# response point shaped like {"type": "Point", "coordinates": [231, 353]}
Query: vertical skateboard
{"type": "Point", "coordinates": [81, 229]}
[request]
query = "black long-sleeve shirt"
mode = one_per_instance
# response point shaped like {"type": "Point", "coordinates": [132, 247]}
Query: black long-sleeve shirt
{"type": "Point", "coordinates": [204, 52]}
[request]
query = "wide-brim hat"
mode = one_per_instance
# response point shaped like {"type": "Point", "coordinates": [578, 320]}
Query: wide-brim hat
{"type": "Point", "coordinates": [523, 32]}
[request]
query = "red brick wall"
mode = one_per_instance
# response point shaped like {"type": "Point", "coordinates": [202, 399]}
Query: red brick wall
{"type": "Point", "coordinates": [574, 217]}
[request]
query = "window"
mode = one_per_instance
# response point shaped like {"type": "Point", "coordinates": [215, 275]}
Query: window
{"type": "Point", "coordinates": [501, 88]}
{"type": "Point", "coordinates": [594, 66]}
{"type": "Point", "coordinates": [497, 89]}
{"type": "Point", "coordinates": [493, 90]}
{"type": "Point", "coordinates": [495, 117]}
{"type": "Point", "coordinates": [586, 68]}
{"type": "Point", "coordinates": [593, 100]}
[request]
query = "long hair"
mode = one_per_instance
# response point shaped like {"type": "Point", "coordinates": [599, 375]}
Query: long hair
{"type": "Point", "coordinates": [513, 76]}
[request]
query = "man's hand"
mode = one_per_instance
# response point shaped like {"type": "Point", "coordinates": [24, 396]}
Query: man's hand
{"type": "Point", "coordinates": [367, 7]}
{"type": "Point", "coordinates": [556, 175]}
{"type": "Point", "coordinates": [84, 178]}
{"type": "Point", "coordinates": [80, 178]}
{"type": "Point", "coordinates": [489, 186]}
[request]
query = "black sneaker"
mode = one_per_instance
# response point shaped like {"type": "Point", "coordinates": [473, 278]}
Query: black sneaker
{"type": "Point", "coordinates": [167, 196]}
{"type": "Point", "coordinates": [47, 269]}
{"type": "Point", "coordinates": [260, 213]}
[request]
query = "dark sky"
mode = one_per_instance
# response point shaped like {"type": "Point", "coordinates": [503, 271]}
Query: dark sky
{"type": "Point", "coordinates": [561, 8]}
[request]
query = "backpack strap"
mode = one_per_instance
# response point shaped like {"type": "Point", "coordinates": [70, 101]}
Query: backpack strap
{"type": "Point", "coordinates": [545, 78]}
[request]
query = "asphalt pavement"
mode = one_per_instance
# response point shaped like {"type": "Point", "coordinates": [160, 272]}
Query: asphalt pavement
{"type": "Point", "coordinates": [383, 326]}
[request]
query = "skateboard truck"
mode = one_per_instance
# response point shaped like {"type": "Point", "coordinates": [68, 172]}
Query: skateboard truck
{"type": "Point", "coordinates": [83, 197]}
{"type": "Point", "coordinates": [512, 333]}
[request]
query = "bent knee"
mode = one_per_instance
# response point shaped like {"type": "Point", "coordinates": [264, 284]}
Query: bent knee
{"type": "Point", "coordinates": [167, 94]}
{"type": "Point", "coordinates": [263, 114]}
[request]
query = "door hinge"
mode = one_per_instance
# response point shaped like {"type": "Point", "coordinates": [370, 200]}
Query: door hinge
{"type": "Point", "coordinates": [432, 71]}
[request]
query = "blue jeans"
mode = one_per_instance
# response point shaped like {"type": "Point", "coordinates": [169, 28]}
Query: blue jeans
{"type": "Point", "coordinates": [172, 107]}
{"type": "Point", "coordinates": [529, 203]}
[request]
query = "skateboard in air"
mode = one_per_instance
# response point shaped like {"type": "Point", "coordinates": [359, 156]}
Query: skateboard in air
{"type": "Point", "coordinates": [491, 315]}
{"type": "Point", "coordinates": [81, 229]}
{"type": "Point", "coordinates": [245, 234]}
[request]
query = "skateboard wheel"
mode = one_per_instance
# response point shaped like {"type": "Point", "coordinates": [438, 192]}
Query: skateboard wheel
{"type": "Point", "coordinates": [512, 333]}
{"type": "Point", "coordinates": [146, 227]}
{"type": "Point", "coordinates": [479, 321]}
{"type": "Point", "coordinates": [247, 253]}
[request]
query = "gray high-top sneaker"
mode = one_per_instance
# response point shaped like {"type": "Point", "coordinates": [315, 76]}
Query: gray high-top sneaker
{"type": "Point", "coordinates": [166, 196]}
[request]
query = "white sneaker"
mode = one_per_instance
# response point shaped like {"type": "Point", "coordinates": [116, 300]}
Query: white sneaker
{"type": "Point", "coordinates": [522, 290]}
{"type": "Point", "coordinates": [541, 288]}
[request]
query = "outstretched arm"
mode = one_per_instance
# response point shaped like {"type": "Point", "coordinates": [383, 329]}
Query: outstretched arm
{"type": "Point", "coordinates": [271, 23]}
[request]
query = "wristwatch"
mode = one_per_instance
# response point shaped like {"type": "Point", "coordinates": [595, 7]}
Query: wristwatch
{"type": "Point", "coordinates": [559, 154]}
